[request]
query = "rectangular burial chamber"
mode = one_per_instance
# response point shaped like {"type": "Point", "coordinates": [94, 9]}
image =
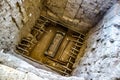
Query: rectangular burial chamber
{"type": "Point", "coordinates": [51, 44]}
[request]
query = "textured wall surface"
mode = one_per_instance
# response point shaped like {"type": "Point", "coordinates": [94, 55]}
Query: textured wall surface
{"type": "Point", "coordinates": [18, 69]}
{"type": "Point", "coordinates": [81, 14]}
{"type": "Point", "coordinates": [15, 14]}
{"type": "Point", "coordinates": [102, 49]}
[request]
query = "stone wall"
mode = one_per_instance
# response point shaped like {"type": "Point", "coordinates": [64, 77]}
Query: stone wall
{"type": "Point", "coordinates": [16, 15]}
{"type": "Point", "coordinates": [102, 49]}
{"type": "Point", "coordinates": [80, 14]}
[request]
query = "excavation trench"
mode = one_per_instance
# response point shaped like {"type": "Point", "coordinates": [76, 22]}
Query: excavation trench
{"type": "Point", "coordinates": [48, 34]}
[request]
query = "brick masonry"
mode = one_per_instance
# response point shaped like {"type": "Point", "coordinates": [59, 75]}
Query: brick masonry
{"type": "Point", "coordinates": [83, 14]}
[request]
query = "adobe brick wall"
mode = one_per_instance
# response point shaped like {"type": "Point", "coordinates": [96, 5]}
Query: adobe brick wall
{"type": "Point", "coordinates": [80, 14]}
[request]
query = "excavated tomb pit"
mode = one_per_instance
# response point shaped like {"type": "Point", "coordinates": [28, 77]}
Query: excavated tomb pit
{"type": "Point", "coordinates": [51, 44]}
